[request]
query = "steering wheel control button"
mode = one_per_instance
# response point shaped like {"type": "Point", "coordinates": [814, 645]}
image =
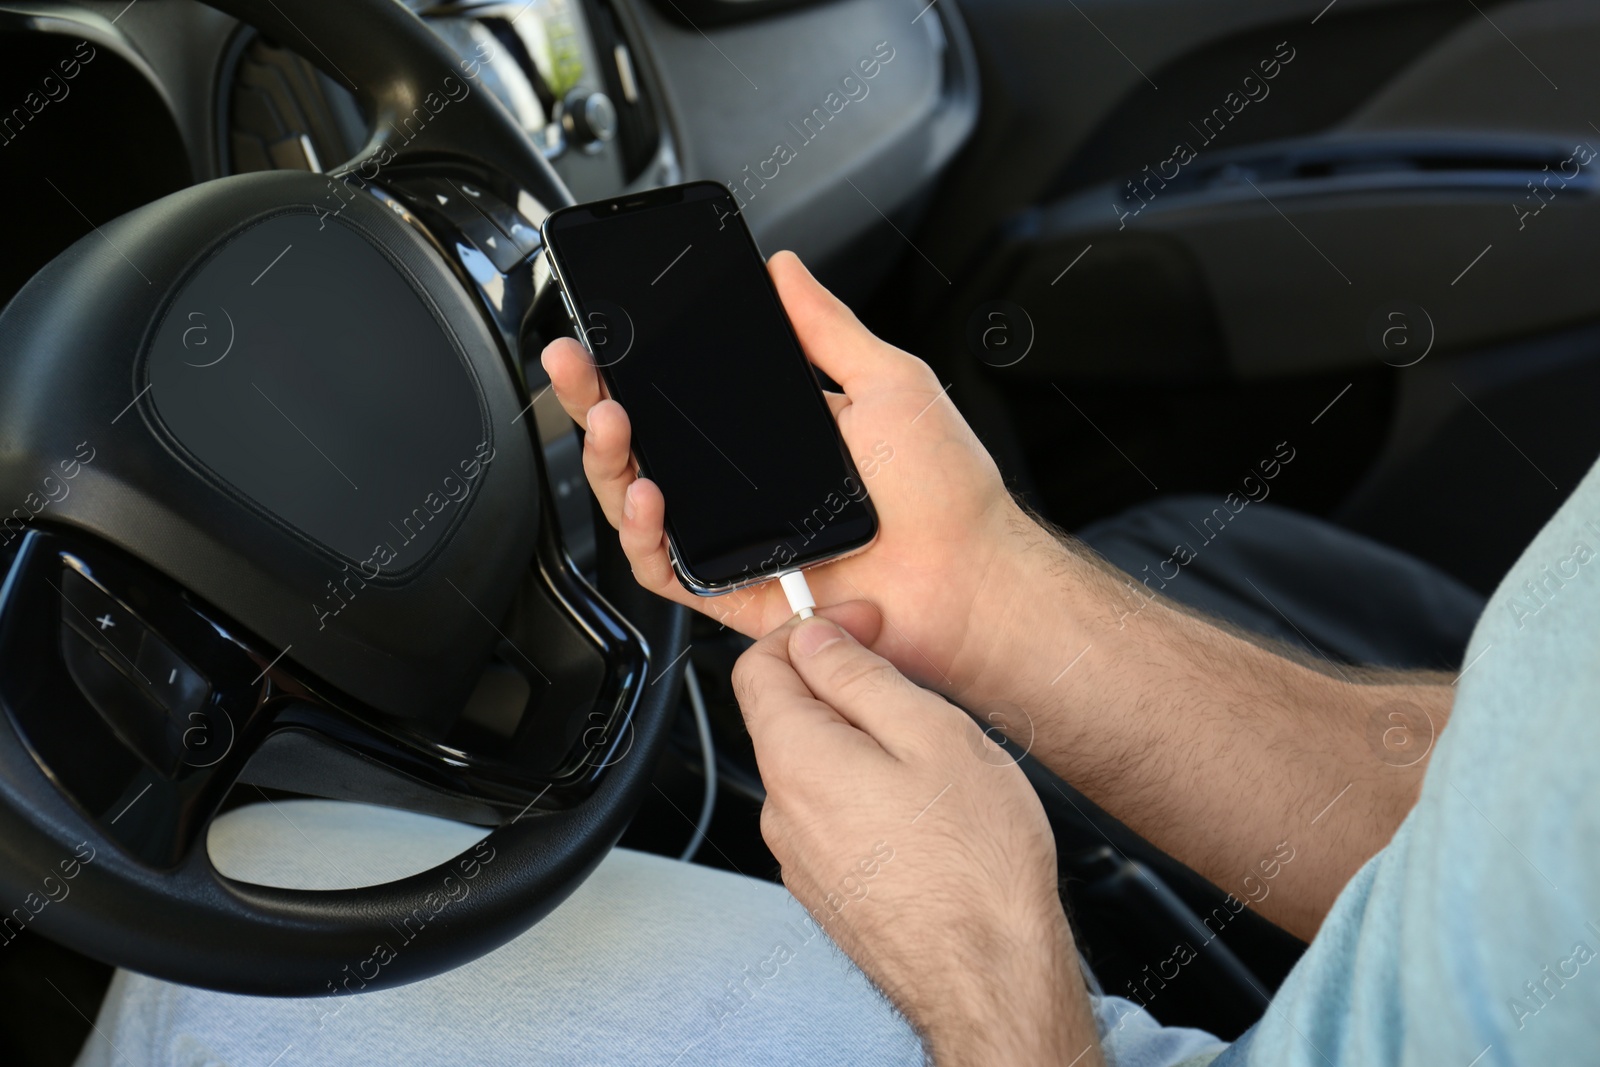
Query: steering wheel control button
{"type": "Point", "coordinates": [488, 223]}
{"type": "Point", "coordinates": [523, 235]}
{"type": "Point", "coordinates": [143, 727]}
{"type": "Point", "coordinates": [98, 617]}
{"type": "Point", "coordinates": [178, 687]}
{"type": "Point", "coordinates": [147, 693]}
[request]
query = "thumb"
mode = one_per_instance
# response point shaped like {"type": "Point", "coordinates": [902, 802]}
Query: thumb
{"type": "Point", "coordinates": [833, 338]}
{"type": "Point", "coordinates": [863, 687]}
{"type": "Point", "coordinates": [771, 695]}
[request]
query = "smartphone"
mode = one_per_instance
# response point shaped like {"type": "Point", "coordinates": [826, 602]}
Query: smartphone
{"type": "Point", "coordinates": [671, 298]}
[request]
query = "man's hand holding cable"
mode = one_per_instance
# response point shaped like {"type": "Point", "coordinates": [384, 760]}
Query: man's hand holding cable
{"type": "Point", "coordinates": [962, 926]}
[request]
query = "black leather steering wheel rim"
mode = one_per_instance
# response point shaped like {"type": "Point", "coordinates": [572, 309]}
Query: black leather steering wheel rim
{"type": "Point", "coordinates": [177, 917]}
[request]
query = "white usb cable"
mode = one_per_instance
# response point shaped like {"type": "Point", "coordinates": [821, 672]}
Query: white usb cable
{"type": "Point", "coordinates": [799, 593]}
{"type": "Point", "coordinates": [802, 603]}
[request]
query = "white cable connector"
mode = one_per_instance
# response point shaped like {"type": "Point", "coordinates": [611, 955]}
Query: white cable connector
{"type": "Point", "coordinates": [798, 592]}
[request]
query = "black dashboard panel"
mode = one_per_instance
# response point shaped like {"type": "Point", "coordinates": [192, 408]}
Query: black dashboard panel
{"type": "Point", "coordinates": [783, 110]}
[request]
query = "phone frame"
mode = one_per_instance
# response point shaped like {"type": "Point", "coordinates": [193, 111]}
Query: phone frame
{"type": "Point", "coordinates": [643, 201]}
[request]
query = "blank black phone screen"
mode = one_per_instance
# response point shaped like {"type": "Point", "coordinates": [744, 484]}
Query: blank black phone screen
{"type": "Point", "coordinates": [677, 309]}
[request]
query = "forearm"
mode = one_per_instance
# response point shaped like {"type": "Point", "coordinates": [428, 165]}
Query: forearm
{"type": "Point", "coordinates": [1220, 751]}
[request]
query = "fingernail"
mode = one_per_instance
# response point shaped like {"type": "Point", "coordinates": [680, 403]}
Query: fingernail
{"type": "Point", "coordinates": [813, 636]}
{"type": "Point", "coordinates": [627, 501]}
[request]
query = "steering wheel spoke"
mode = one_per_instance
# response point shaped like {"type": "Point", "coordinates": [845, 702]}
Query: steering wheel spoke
{"type": "Point", "coordinates": [553, 711]}
{"type": "Point", "coordinates": [99, 654]}
{"type": "Point", "coordinates": [138, 703]}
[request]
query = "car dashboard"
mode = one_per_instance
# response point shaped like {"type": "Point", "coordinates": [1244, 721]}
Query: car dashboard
{"type": "Point", "coordinates": [564, 69]}
{"type": "Point", "coordinates": [767, 96]}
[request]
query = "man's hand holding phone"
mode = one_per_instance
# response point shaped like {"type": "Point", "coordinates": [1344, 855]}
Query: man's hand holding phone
{"type": "Point", "coordinates": [949, 557]}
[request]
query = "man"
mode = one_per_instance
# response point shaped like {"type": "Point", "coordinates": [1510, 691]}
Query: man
{"type": "Point", "coordinates": [1450, 897]}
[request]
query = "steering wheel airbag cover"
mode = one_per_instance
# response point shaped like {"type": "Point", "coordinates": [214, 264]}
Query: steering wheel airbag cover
{"type": "Point", "coordinates": [299, 366]}
{"type": "Point", "coordinates": [224, 476]}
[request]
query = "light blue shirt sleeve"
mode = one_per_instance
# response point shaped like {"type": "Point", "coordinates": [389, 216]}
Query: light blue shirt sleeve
{"type": "Point", "coordinates": [1473, 939]}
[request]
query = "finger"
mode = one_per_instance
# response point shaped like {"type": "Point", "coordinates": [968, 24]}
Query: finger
{"type": "Point", "coordinates": [863, 687]}
{"type": "Point", "coordinates": [607, 461]}
{"type": "Point", "coordinates": [643, 540]}
{"type": "Point", "coordinates": [781, 714]}
{"type": "Point", "coordinates": [830, 333]}
{"type": "Point", "coordinates": [572, 376]}
{"type": "Point", "coordinates": [644, 543]}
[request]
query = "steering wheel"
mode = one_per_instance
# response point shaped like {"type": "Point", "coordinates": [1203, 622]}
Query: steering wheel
{"type": "Point", "coordinates": [281, 521]}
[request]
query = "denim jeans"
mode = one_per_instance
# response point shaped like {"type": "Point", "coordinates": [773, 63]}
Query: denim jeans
{"type": "Point", "coordinates": [649, 962]}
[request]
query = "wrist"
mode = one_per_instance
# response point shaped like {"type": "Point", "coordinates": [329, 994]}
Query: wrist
{"type": "Point", "coordinates": [1022, 1002]}
{"type": "Point", "coordinates": [1041, 605]}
